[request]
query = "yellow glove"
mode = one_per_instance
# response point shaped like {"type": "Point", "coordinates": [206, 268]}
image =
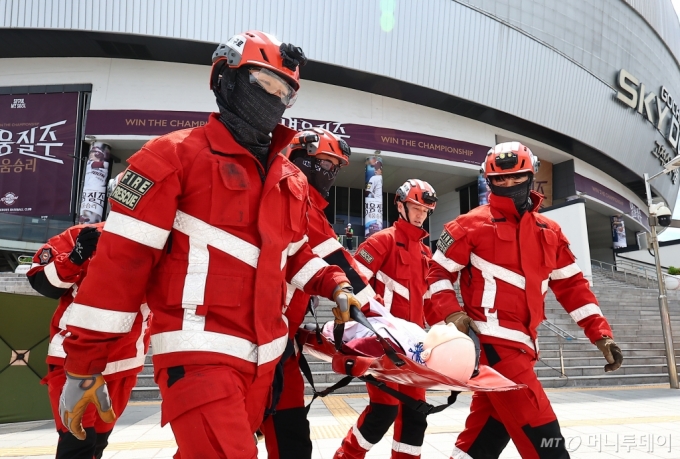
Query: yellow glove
{"type": "Point", "coordinates": [612, 353]}
{"type": "Point", "coordinates": [344, 298]}
{"type": "Point", "coordinates": [79, 391]}
{"type": "Point", "coordinates": [462, 322]}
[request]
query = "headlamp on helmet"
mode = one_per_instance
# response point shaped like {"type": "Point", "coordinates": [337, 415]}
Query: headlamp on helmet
{"type": "Point", "coordinates": [417, 192]}
{"type": "Point", "coordinates": [509, 158]}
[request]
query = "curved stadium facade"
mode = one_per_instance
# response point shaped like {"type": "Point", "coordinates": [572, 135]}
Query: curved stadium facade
{"type": "Point", "coordinates": [592, 86]}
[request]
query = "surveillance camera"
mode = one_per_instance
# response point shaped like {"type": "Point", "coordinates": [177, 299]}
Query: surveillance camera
{"type": "Point", "coordinates": [662, 213]}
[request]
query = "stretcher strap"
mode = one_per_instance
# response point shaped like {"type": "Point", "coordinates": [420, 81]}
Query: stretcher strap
{"type": "Point", "coordinates": [312, 307]}
{"type": "Point", "coordinates": [415, 404]}
{"type": "Point", "coordinates": [420, 406]}
{"type": "Point", "coordinates": [359, 317]}
{"type": "Point", "coordinates": [277, 383]}
{"type": "Point", "coordinates": [304, 367]}
{"type": "Point", "coordinates": [478, 350]}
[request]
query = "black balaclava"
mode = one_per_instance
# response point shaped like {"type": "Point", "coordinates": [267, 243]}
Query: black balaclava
{"type": "Point", "coordinates": [319, 179]}
{"type": "Point", "coordinates": [248, 111]}
{"type": "Point", "coordinates": [518, 193]}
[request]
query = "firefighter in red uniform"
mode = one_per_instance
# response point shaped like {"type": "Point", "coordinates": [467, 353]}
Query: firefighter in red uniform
{"type": "Point", "coordinates": [320, 156]}
{"type": "Point", "coordinates": [59, 268]}
{"type": "Point", "coordinates": [396, 261]}
{"type": "Point", "coordinates": [508, 255]}
{"type": "Point", "coordinates": [210, 223]}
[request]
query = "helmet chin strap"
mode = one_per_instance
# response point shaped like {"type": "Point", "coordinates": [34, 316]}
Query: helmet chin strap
{"type": "Point", "coordinates": [406, 217]}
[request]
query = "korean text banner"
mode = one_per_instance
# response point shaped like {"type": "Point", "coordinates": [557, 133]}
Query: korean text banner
{"type": "Point", "coordinates": [373, 212]}
{"type": "Point", "coordinates": [37, 144]}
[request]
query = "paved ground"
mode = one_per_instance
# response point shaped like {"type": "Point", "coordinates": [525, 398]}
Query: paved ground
{"type": "Point", "coordinates": [629, 422]}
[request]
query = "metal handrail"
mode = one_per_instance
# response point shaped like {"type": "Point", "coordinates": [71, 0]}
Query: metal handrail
{"type": "Point", "coordinates": [562, 333]}
{"type": "Point", "coordinates": [629, 268]}
{"type": "Point", "coordinates": [562, 336]}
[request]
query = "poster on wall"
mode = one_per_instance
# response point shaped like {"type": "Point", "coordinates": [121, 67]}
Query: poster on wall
{"type": "Point", "coordinates": [93, 197]}
{"type": "Point", "coordinates": [618, 232]}
{"type": "Point", "coordinates": [37, 148]}
{"type": "Point", "coordinates": [483, 190]}
{"type": "Point", "coordinates": [373, 211]}
{"type": "Point", "coordinates": [543, 183]}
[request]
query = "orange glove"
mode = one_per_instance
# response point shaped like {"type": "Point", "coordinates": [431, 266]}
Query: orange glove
{"type": "Point", "coordinates": [343, 295]}
{"type": "Point", "coordinates": [79, 391]}
{"type": "Point", "coordinates": [462, 321]}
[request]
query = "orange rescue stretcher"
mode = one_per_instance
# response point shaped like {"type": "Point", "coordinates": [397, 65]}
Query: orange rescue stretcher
{"type": "Point", "coordinates": [392, 367]}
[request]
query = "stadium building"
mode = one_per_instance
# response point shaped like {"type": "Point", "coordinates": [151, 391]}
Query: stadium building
{"type": "Point", "coordinates": [591, 86]}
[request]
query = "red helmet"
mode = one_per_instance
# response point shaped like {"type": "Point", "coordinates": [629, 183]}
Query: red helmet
{"type": "Point", "coordinates": [509, 158]}
{"type": "Point", "coordinates": [418, 192]}
{"type": "Point", "coordinates": [317, 141]}
{"type": "Point", "coordinates": [258, 49]}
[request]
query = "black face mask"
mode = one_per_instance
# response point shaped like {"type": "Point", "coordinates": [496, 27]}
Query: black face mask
{"type": "Point", "coordinates": [248, 111]}
{"type": "Point", "coordinates": [319, 179]}
{"type": "Point", "coordinates": [518, 193]}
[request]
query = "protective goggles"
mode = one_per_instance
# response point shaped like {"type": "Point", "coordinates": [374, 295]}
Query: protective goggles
{"type": "Point", "coordinates": [274, 85]}
{"type": "Point", "coordinates": [327, 166]}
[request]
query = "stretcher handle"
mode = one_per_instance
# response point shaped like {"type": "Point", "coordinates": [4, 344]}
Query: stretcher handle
{"type": "Point", "coordinates": [356, 314]}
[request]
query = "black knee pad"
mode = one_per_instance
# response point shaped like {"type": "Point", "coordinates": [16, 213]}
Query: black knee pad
{"type": "Point", "coordinates": [101, 443]}
{"type": "Point", "coordinates": [292, 433]}
{"type": "Point", "coordinates": [413, 426]}
{"type": "Point", "coordinates": [377, 421]}
{"type": "Point", "coordinates": [547, 440]}
{"type": "Point", "coordinates": [491, 440]}
{"type": "Point", "coordinates": [69, 447]}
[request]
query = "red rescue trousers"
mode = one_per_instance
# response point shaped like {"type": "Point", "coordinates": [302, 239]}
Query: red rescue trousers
{"type": "Point", "coordinates": [376, 419]}
{"type": "Point", "coordinates": [524, 415]}
{"type": "Point", "coordinates": [213, 410]}
{"type": "Point", "coordinates": [286, 432]}
{"type": "Point", "coordinates": [97, 430]}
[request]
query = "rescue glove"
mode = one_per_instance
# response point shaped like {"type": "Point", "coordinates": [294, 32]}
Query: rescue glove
{"type": "Point", "coordinates": [86, 243]}
{"type": "Point", "coordinates": [612, 353]}
{"type": "Point", "coordinates": [462, 322]}
{"type": "Point", "coordinates": [79, 391]}
{"type": "Point", "coordinates": [344, 298]}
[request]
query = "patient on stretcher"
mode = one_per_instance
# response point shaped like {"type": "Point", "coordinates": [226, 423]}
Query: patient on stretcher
{"type": "Point", "coordinates": [443, 348]}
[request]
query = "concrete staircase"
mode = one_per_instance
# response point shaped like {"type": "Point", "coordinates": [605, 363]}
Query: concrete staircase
{"type": "Point", "coordinates": [16, 283]}
{"type": "Point", "coordinates": [634, 316]}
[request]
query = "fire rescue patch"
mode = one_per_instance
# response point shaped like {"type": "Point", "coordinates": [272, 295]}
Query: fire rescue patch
{"type": "Point", "coordinates": [366, 256]}
{"type": "Point", "coordinates": [444, 242]}
{"type": "Point", "coordinates": [45, 256]}
{"type": "Point", "coordinates": [130, 189]}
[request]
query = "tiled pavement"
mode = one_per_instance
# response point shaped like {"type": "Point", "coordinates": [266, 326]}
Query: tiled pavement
{"type": "Point", "coordinates": [629, 422]}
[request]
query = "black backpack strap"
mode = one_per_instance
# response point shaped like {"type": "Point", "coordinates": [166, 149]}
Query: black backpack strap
{"type": "Point", "coordinates": [420, 406]}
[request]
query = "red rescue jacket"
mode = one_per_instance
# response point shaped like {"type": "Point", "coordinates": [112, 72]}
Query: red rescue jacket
{"type": "Point", "coordinates": [396, 261]}
{"type": "Point", "coordinates": [324, 243]}
{"type": "Point", "coordinates": [212, 240]}
{"type": "Point", "coordinates": [55, 276]}
{"type": "Point", "coordinates": [506, 264]}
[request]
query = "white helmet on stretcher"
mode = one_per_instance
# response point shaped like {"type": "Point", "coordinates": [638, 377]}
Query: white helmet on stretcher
{"type": "Point", "coordinates": [449, 352]}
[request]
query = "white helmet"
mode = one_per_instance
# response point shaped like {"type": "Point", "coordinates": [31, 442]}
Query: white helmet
{"type": "Point", "coordinates": [449, 352]}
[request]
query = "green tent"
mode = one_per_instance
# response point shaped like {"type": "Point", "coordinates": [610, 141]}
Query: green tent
{"type": "Point", "coordinates": [24, 338]}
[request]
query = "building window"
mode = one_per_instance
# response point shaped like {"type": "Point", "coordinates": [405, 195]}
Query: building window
{"type": "Point", "coordinates": [469, 197]}
{"type": "Point", "coordinates": [356, 210]}
{"type": "Point", "coordinates": [341, 205]}
{"type": "Point", "coordinates": [330, 208]}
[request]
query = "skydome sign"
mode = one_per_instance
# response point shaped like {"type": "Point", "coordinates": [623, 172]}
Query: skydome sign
{"type": "Point", "coordinates": [661, 110]}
